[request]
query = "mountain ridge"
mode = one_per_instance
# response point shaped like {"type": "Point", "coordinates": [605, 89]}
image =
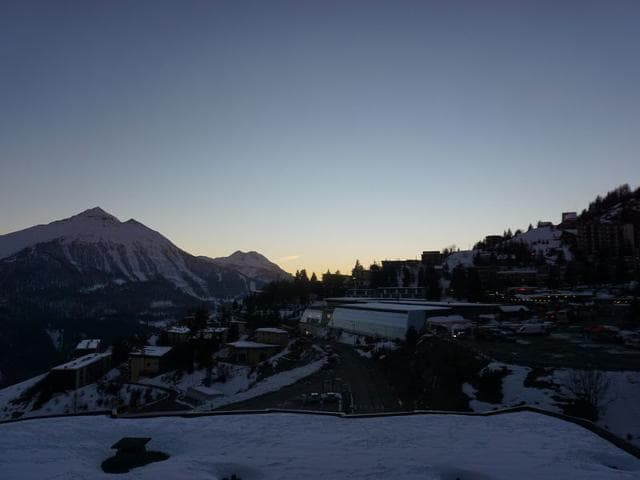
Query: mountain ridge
{"type": "Point", "coordinates": [136, 252]}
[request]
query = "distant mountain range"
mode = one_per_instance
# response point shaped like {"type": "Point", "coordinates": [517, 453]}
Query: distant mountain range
{"type": "Point", "coordinates": [93, 274]}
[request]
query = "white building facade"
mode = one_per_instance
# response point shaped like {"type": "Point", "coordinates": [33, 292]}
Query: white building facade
{"type": "Point", "coordinates": [383, 320]}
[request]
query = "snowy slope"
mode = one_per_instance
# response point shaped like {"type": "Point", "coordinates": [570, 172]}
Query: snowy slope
{"type": "Point", "coordinates": [621, 415]}
{"type": "Point", "coordinates": [252, 265]}
{"type": "Point", "coordinates": [545, 240]}
{"type": "Point", "coordinates": [463, 258]}
{"type": "Point", "coordinates": [96, 241]}
{"type": "Point", "coordinates": [287, 446]}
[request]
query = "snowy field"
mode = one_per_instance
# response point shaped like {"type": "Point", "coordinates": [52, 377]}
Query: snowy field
{"type": "Point", "coordinates": [287, 446]}
{"type": "Point", "coordinates": [86, 399]}
{"type": "Point", "coordinates": [622, 406]}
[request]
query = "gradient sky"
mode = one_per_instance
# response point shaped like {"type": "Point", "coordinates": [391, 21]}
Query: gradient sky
{"type": "Point", "coordinates": [316, 132]}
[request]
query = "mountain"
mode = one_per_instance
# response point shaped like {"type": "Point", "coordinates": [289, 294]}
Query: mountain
{"type": "Point", "coordinates": [96, 245]}
{"type": "Point", "coordinates": [252, 265]}
{"type": "Point", "coordinates": [92, 274]}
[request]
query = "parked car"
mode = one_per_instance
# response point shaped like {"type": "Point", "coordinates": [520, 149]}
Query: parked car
{"type": "Point", "coordinates": [532, 329]}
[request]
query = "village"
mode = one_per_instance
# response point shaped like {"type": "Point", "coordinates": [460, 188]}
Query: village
{"type": "Point", "coordinates": [505, 324]}
{"type": "Point", "coordinates": [323, 357]}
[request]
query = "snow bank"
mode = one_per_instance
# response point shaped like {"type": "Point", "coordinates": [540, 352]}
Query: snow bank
{"type": "Point", "coordinates": [282, 446]}
{"type": "Point", "coordinates": [622, 410]}
{"type": "Point", "coordinates": [268, 385]}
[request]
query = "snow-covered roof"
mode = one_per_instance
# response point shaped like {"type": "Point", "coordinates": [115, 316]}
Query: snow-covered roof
{"type": "Point", "coordinates": [440, 303]}
{"type": "Point", "coordinates": [83, 361]}
{"type": "Point", "coordinates": [392, 307]}
{"type": "Point", "coordinates": [151, 351]}
{"type": "Point", "coordinates": [88, 344]}
{"type": "Point", "coordinates": [448, 320]}
{"type": "Point", "coordinates": [272, 330]}
{"type": "Point", "coordinates": [513, 308]}
{"type": "Point", "coordinates": [214, 330]}
{"type": "Point", "coordinates": [179, 330]}
{"type": "Point", "coordinates": [250, 344]}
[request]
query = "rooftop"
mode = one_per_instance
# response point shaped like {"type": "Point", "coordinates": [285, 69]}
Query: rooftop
{"type": "Point", "coordinates": [513, 308]}
{"type": "Point", "coordinates": [250, 344]}
{"type": "Point", "coordinates": [88, 344]}
{"type": "Point", "coordinates": [178, 329]}
{"type": "Point", "coordinates": [151, 351]}
{"type": "Point", "coordinates": [271, 330]}
{"type": "Point", "coordinates": [83, 361]}
{"type": "Point", "coordinates": [392, 307]}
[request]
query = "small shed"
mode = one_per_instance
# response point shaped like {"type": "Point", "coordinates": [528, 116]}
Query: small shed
{"type": "Point", "coordinates": [273, 336]}
{"type": "Point", "coordinates": [250, 353]}
{"type": "Point", "coordinates": [87, 346]}
{"type": "Point", "coordinates": [131, 445]}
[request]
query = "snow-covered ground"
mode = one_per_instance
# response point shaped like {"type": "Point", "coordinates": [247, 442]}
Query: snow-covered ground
{"type": "Point", "coordinates": [287, 446]}
{"type": "Point", "coordinates": [255, 389]}
{"type": "Point", "coordinates": [622, 410]}
{"type": "Point", "coordinates": [241, 382]}
{"type": "Point", "coordinates": [544, 240]}
{"type": "Point", "coordinates": [89, 398]}
{"type": "Point", "coordinates": [464, 258]}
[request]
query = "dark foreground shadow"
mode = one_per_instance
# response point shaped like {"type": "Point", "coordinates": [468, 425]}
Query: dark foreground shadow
{"type": "Point", "coordinates": [123, 462]}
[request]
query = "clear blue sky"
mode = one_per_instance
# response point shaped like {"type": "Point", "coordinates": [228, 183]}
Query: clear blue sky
{"type": "Point", "coordinates": [325, 131]}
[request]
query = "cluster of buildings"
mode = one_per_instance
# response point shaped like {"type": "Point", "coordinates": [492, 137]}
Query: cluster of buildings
{"type": "Point", "coordinates": [91, 361]}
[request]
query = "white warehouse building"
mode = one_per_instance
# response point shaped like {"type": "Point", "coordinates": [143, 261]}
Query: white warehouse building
{"type": "Point", "coordinates": [386, 320]}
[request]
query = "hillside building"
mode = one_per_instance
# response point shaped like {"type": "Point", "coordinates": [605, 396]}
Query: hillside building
{"type": "Point", "coordinates": [178, 334]}
{"type": "Point", "coordinates": [87, 346]}
{"type": "Point", "coordinates": [80, 371]}
{"type": "Point", "coordinates": [273, 336]}
{"type": "Point", "coordinates": [384, 320]}
{"type": "Point", "coordinates": [245, 352]}
{"type": "Point", "coordinates": [148, 361]}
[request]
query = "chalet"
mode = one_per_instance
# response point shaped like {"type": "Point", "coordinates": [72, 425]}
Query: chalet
{"type": "Point", "coordinates": [273, 336]}
{"type": "Point", "coordinates": [87, 346]}
{"type": "Point", "coordinates": [80, 371]}
{"type": "Point", "coordinates": [240, 325]}
{"type": "Point", "coordinates": [214, 333]}
{"type": "Point", "coordinates": [148, 361]}
{"type": "Point", "coordinates": [178, 334]}
{"type": "Point", "coordinates": [315, 320]}
{"type": "Point", "coordinates": [250, 353]}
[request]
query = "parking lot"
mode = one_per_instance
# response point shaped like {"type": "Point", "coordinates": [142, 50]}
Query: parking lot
{"type": "Point", "coordinates": [362, 388]}
{"type": "Point", "coordinates": [566, 347]}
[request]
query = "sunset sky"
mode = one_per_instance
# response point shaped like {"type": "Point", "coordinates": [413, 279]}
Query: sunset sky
{"type": "Point", "coordinates": [316, 132]}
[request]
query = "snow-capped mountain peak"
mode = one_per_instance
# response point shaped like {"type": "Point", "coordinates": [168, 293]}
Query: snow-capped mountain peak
{"type": "Point", "coordinates": [97, 213]}
{"type": "Point", "coordinates": [97, 241]}
{"type": "Point", "coordinates": [252, 264]}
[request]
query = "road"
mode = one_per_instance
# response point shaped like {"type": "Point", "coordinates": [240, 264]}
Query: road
{"type": "Point", "coordinates": [361, 384]}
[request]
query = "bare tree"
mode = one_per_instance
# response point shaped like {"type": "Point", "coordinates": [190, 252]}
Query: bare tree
{"type": "Point", "coordinates": [590, 388]}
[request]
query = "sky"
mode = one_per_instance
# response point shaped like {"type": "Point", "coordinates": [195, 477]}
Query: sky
{"type": "Point", "coordinates": [316, 132]}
